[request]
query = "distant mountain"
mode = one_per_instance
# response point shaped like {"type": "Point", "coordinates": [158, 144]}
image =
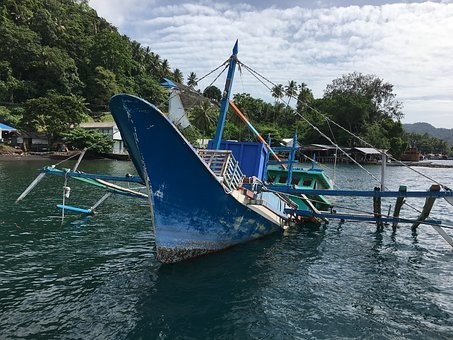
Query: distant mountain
{"type": "Point", "coordinates": [422, 128]}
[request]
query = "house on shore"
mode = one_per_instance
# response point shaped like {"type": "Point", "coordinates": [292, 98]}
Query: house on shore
{"type": "Point", "coordinates": [30, 141]}
{"type": "Point", "coordinates": [111, 130]}
{"type": "Point", "coordinates": [331, 154]}
{"type": "Point", "coordinates": [323, 153]}
{"type": "Point", "coordinates": [367, 155]}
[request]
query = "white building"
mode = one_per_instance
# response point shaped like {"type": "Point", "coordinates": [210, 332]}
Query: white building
{"type": "Point", "coordinates": [110, 129]}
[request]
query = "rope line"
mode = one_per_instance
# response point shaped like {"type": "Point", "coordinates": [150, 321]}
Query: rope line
{"type": "Point", "coordinates": [344, 129]}
{"type": "Point", "coordinates": [218, 75]}
{"type": "Point", "coordinates": [211, 72]}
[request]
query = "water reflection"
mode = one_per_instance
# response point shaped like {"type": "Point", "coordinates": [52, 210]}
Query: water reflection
{"type": "Point", "coordinates": [208, 297]}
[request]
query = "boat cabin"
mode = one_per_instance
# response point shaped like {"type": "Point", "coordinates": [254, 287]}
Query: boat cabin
{"type": "Point", "coordinates": [302, 178]}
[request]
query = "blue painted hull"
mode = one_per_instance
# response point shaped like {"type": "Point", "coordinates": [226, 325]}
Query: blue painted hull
{"type": "Point", "coordinates": [193, 215]}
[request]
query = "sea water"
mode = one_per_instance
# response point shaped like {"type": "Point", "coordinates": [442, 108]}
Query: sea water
{"type": "Point", "coordinates": [97, 277]}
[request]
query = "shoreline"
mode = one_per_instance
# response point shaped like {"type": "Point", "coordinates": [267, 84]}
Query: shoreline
{"type": "Point", "coordinates": [65, 155]}
{"type": "Point", "coordinates": [23, 157]}
{"type": "Point", "coordinates": [52, 156]}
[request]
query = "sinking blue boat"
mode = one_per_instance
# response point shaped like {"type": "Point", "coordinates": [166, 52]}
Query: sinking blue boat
{"type": "Point", "coordinates": [202, 201]}
{"type": "Point", "coordinates": [197, 197]}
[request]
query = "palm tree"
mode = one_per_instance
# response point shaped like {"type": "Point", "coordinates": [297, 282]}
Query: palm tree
{"type": "Point", "coordinates": [165, 68]}
{"type": "Point", "coordinates": [304, 98]}
{"type": "Point", "coordinates": [192, 80]}
{"type": "Point", "coordinates": [177, 76]}
{"type": "Point", "coordinates": [278, 92]}
{"type": "Point", "coordinates": [203, 117]}
{"type": "Point", "coordinates": [291, 90]}
{"type": "Point", "coordinates": [153, 63]}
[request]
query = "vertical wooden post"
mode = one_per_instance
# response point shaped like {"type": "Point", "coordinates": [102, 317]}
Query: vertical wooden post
{"type": "Point", "coordinates": [398, 205]}
{"type": "Point", "coordinates": [427, 207]}
{"type": "Point", "coordinates": [377, 209]}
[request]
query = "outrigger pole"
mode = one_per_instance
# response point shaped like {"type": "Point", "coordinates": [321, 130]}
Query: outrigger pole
{"type": "Point", "coordinates": [256, 133]}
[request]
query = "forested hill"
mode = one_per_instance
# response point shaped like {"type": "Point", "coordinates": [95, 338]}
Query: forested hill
{"type": "Point", "coordinates": [60, 63]}
{"type": "Point", "coordinates": [422, 128]}
{"type": "Point", "coordinates": [61, 52]}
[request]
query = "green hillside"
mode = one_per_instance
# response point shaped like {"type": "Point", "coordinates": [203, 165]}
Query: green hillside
{"type": "Point", "coordinates": [60, 52]}
{"type": "Point", "coordinates": [422, 128]}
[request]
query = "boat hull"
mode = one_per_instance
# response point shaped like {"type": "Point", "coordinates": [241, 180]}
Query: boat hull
{"type": "Point", "coordinates": [192, 213]}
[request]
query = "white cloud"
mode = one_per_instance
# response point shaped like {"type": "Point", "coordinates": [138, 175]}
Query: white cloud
{"type": "Point", "coordinates": [406, 44]}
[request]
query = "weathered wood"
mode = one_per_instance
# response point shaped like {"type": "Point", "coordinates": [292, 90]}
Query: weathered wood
{"type": "Point", "coordinates": [398, 205]}
{"type": "Point", "coordinates": [427, 207]}
{"type": "Point", "coordinates": [377, 209]}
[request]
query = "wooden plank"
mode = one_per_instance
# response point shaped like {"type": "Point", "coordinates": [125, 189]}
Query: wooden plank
{"type": "Point", "coordinates": [427, 207]}
{"type": "Point", "coordinates": [359, 193]}
{"type": "Point", "coordinates": [357, 217]}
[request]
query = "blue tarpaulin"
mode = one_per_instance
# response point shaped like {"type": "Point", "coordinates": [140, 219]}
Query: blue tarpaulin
{"type": "Point", "coordinates": [6, 128]}
{"type": "Point", "coordinates": [167, 83]}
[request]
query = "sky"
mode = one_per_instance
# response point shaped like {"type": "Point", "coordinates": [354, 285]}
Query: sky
{"type": "Point", "coordinates": [407, 44]}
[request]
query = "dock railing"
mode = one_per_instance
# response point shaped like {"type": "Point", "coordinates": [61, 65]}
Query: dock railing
{"type": "Point", "coordinates": [224, 166]}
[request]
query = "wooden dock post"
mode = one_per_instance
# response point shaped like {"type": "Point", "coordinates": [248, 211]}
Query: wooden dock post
{"type": "Point", "coordinates": [398, 205]}
{"type": "Point", "coordinates": [427, 207]}
{"type": "Point", "coordinates": [377, 209]}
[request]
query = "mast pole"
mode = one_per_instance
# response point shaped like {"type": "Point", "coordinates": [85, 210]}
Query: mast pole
{"type": "Point", "coordinates": [225, 98]}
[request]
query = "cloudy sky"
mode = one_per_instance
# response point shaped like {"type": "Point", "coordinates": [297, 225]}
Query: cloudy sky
{"type": "Point", "coordinates": [408, 44]}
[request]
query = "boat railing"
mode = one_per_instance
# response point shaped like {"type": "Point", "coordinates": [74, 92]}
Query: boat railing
{"type": "Point", "coordinates": [224, 166]}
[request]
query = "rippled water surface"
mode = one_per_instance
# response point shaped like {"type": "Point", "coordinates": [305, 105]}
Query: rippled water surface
{"type": "Point", "coordinates": [97, 277]}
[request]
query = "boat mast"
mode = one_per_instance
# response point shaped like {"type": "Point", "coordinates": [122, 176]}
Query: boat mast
{"type": "Point", "coordinates": [225, 99]}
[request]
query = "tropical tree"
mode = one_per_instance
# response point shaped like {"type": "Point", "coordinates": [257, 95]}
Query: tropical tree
{"type": "Point", "coordinates": [204, 117]}
{"type": "Point", "coordinates": [152, 63]}
{"type": "Point", "coordinates": [8, 83]}
{"type": "Point", "coordinates": [304, 99]}
{"type": "Point", "coordinates": [178, 76]}
{"type": "Point", "coordinates": [427, 144]}
{"type": "Point", "coordinates": [278, 92]}
{"type": "Point", "coordinates": [291, 90]}
{"type": "Point", "coordinates": [379, 92]}
{"type": "Point", "coordinates": [192, 80]}
{"type": "Point", "coordinates": [113, 52]}
{"type": "Point", "coordinates": [94, 141]}
{"type": "Point", "coordinates": [12, 116]}
{"type": "Point", "coordinates": [54, 114]}
{"type": "Point", "coordinates": [256, 109]}
{"type": "Point", "coordinates": [165, 68]}
{"type": "Point", "coordinates": [101, 87]}
{"type": "Point", "coordinates": [349, 110]}
{"type": "Point", "coordinates": [150, 89]}
{"type": "Point", "coordinates": [212, 92]}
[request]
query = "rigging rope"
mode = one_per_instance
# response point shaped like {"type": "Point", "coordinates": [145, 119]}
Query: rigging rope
{"type": "Point", "coordinates": [262, 79]}
{"type": "Point", "coordinates": [211, 72]}
{"type": "Point", "coordinates": [336, 145]}
{"type": "Point", "coordinates": [257, 74]}
{"type": "Point", "coordinates": [218, 75]}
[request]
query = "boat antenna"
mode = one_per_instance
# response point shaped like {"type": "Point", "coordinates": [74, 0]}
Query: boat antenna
{"type": "Point", "coordinates": [224, 102]}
